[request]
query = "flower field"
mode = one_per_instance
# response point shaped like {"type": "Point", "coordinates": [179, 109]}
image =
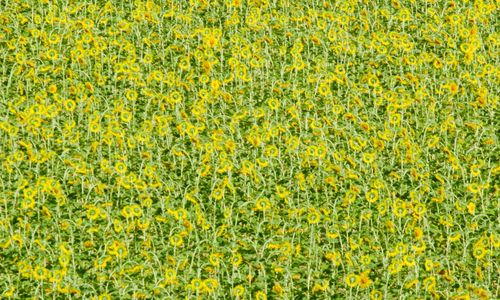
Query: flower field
{"type": "Point", "coordinates": [249, 149]}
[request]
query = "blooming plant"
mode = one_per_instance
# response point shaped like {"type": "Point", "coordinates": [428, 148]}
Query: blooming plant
{"type": "Point", "coordinates": [249, 149]}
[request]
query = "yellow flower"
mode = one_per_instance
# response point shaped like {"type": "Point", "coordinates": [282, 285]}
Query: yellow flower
{"type": "Point", "coordinates": [218, 193]}
{"type": "Point", "coordinates": [117, 225]}
{"type": "Point", "coordinates": [481, 293]}
{"type": "Point", "coordinates": [120, 167]}
{"type": "Point", "coordinates": [429, 265]}
{"type": "Point", "coordinates": [28, 203]}
{"type": "Point", "coordinates": [409, 260]}
{"type": "Point", "coordinates": [175, 97]}
{"type": "Point", "coordinates": [263, 204]}
{"type": "Point", "coordinates": [125, 116]}
{"type": "Point", "coordinates": [210, 285]}
{"type": "Point", "coordinates": [418, 233]}
{"type": "Point", "coordinates": [333, 257]}
{"type": "Point", "coordinates": [94, 127]}
{"type": "Point", "coordinates": [53, 89]}
{"type": "Point", "coordinates": [40, 273]}
{"type": "Point", "coordinates": [395, 267]}
{"type": "Point", "coordinates": [349, 198]}
{"type": "Point", "coordinates": [399, 210]}
{"type": "Point", "coordinates": [369, 157]}
{"type": "Point", "coordinates": [419, 210]}
{"type": "Point", "coordinates": [184, 63]}
{"type": "Point", "coordinates": [29, 193]}
{"type": "Point", "coordinates": [364, 280]}
{"type": "Point", "coordinates": [282, 191]}
{"type": "Point", "coordinates": [372, 196]}
{"type": "Point", "coordinates": [104, 296]}
{"type": "Point", "coordinates": [419, 247]}
{"type": "Point", "coordinates": [136, 210]}
{"type": "Point", "coordinates": [376, 295]}
{"type": "Point", "coordinates": [69, 105]}
{"type": "Point", "coordinates": [278, 289]}
{"type": "Point", "coordinates": [313, 217]}
{"type": "Point", "coordinates": [324, 89]}
{"type": "Point", "coordinates": [411, 283]}
{"type": "Point", "coordinates": [429, 283]}
{"type": "Point", "coordinates": [271, 151]}
{"type": "Point", "coordinates": [455, 237]}
{"type": "Point", "coordinates": [238, 291]}
{"type": "Point", "coordinates": [127, 211]}
{"type": "Point", "coordinates": [236, 259]}
{"type": "Point", "coordinates": [471, 208]}
{"type": "Point", "coordinates": [118, 249]}
{"type": "Point", "coordinates": [400, 248]}
{"type": "Point", "coordinates": [394, 118]}
{"type": "Point", "coordinates": [273, 103]}
{"type": "Point", "coordinates": [495, 240]}
{"type": "Point", "coordinates": [196, 285]}
{"type": "Point", "coordinates": [382, 207]}
{"type": "Point", "coordinates": [170, 276]}
{"type": "Point", "coordinates": [479, 252]}
{"type": "Point", "coordinates": [93, 213]}
{"type": "Point", "coordinates": [352, 280]}
{"type": "Point", "coordinates": [10, 292]}
{"type": "Point", "coordinates": [365, 260]}
{"type": "Point", "coordinates": [176, 240]}
{"type": "Point", "coordinates": [260, 295]}
{"type": "Point", "coordinates": [131, 95]}
{"type": "Point", "coordinates": [473, 188]}
{"type": "Point", "coordinates": [475, 170]}
{"type": "Point", "coordinates": [214, 259]}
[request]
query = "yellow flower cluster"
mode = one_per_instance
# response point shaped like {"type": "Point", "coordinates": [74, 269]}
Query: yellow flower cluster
{"type": "Point", "coordinates": [249, 149]}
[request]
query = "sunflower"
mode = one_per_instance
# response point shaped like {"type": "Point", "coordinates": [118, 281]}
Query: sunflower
{"type": "Point", "coordinates": [313, 217]}
{"type": "Point", "coordinates": [238, 291]}
{"type": "Point", "coordinates": [479, 252]}
{"type": "Point", "coordinates": [260, 295]}
{"type": "Point", "coordinates": [176, 240]}
{"type": "Point", "coordinates": [263, 204]}
{"type": "Point", "coordinates": [352, 280]}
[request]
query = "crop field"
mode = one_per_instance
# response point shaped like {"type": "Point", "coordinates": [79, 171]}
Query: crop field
{"type": "Point", "coordinates": [249, 149]}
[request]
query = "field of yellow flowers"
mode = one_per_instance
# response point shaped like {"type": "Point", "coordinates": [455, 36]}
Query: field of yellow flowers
{"type": "Point", "coordinates": [249, 149]}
